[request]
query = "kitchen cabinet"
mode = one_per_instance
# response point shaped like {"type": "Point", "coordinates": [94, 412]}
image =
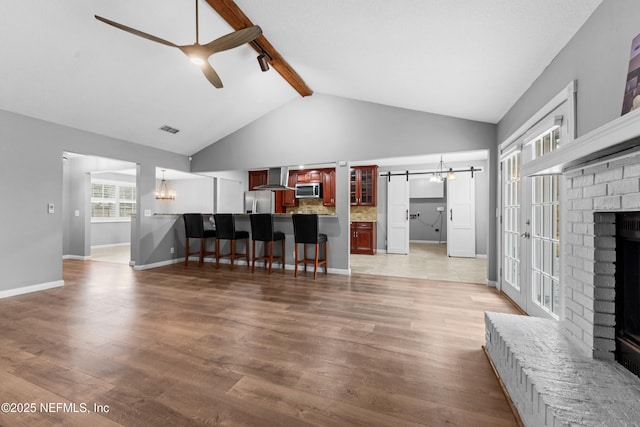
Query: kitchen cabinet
{"type": "Point", "coordinates": [362, 185]}
{"type": "Point", "coordinates": [329, 187]}
{"type": "Point", "coordinates": [363, 238]}
{"type": "Point", "coordinates": [309, 176]}
{"type": "Point", "coordinates": [257, 178]}
{"type": "Point", "coordinates": [289, 196]}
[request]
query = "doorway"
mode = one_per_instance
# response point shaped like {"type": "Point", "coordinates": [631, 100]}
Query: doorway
{"type": "Point", "coordinates": [426, 254]}
{"type": "Point", "coordinates": [99, 197]}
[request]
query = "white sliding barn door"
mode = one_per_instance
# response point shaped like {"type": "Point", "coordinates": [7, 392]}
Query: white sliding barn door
{"type": "Point", "coordinates": [461, 216]}
{"type": "Point", "coordinates": [398, 215]}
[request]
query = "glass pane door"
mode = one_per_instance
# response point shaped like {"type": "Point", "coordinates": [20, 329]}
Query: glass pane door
{"type": "Point", "coordinates": [366, 181]}
{"type": "Point", "coordinates": [514, 230]}
{"type": "Point", "coordinates": [546, 244]}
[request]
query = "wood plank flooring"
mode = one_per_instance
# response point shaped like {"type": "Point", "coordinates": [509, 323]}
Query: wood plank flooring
{"type": "Point", "coordinates": [195, 346]}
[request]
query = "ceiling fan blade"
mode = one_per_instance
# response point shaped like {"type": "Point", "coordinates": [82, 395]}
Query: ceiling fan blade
{"type": "Point", "coordinates": [211, 75]}
{"type": "Point", "coordinates": [234, 39]}
{"type": "Point", "coordinates": [135, 32]}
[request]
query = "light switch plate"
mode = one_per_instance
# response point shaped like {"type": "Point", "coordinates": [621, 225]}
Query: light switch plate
{"type": "Point", "coordinates": [50, 208]}
{"type": "Point", "coordinates": [147, 212]}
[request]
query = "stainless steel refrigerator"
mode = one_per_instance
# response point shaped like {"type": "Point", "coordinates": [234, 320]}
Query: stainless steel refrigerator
{"type": "Point", "coordinates": [259, 201]}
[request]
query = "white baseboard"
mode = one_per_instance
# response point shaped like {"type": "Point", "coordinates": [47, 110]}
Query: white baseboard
{"type": "Point", "coordinates": [112, 245]}
{"type": "Point", "coordinates": [158, 264]}
{"type": "Point", "coordinates": [484, 256]}
{"type": "Point", "coordinates": [492, 283]}
{"type": "Point", "coordinates": [32, 288]}
{"type": "Point", "coordinates": [435, 242]}
{"type": "Point", "coordinates": [77, 257]}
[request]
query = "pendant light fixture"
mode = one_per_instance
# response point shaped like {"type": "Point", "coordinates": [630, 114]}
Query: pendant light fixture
{"type": "Point", "coordinates": [163, 192]}
{"type": "Point", "coordinates": [439, 174]}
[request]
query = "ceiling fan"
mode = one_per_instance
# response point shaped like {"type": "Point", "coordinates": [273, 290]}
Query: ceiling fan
{"type": "Point", "coordinates": [200, 53]}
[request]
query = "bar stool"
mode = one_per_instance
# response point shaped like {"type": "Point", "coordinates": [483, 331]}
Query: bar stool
{"type": "Point", "coordinates": [226, 230]}
{"type": "Point", "coordinates": [262, 230]}
{"type": "Point", "coordinates": [305, 232]}
{"type": "Point", "coordinates": [194, 229]}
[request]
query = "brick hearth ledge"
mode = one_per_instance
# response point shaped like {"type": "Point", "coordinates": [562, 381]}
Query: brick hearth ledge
{"type": "Point", "coordinates": [553, 382]}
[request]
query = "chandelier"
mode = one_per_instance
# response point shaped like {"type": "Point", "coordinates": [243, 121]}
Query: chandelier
{"type": "Point", "coordinates": [163, 192]}
{"type": "Point", "coordinates": [441, 173]}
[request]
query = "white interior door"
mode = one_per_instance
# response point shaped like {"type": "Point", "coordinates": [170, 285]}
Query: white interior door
{"type": "Point", "coordinates": [461, 216]}
{"type": "Point", "coordinates": [397, 215]}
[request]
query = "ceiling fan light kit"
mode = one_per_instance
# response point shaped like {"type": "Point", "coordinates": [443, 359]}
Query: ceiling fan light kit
{"type": "Point", "coordinates": [199, 53]}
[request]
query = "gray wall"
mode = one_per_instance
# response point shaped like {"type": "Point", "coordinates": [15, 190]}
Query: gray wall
{"type": "Point", "coordinates": [430, 225]}
{"type": "Point", "coordinates": [598, 58]}
{"type": "Point", "coordinates": [324, 128]}
{"type": "Point", "coordinates": [110, 233]}
{"type": "Point", "coordinates": [31, 155]}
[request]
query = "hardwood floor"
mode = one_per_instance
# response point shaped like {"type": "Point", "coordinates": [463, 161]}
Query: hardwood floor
{"type": "Point", "coordinates": [195, 346]}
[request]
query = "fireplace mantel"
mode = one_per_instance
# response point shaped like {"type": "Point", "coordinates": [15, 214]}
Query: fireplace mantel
{"type": "Point", "coordinates": [616, 136]}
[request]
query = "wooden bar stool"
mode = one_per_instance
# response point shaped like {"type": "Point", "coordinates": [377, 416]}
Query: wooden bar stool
{"type": "Point", "coordinates": [305, 231]}
{"type": "Point", "coordinates": [226, 230]}
{"type": "Point", "coordinates": [194, 229]}
{"type": "Point", "coordinates": [262, 230]}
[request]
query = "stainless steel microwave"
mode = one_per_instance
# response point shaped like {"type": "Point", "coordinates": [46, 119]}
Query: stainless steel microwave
{"type": "Point", "coordinates": [309, 191]}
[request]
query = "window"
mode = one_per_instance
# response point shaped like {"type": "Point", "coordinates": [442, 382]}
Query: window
{"type": "Point", "coordinates": [547, 142]}
{"type": "Point", "coordinates": [112, 200]}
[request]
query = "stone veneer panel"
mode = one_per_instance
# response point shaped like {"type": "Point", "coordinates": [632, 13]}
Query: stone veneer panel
{"type": "Point", "coordinates": [594, 193]}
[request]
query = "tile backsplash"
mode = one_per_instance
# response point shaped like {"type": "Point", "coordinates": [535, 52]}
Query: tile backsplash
{"type": "Point", "coordinates": [312, 206]}
{"type": "Point", "coordinates": [364, 213]}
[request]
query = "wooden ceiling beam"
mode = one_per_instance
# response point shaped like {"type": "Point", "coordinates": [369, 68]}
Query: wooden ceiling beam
{"type": "Point", "coordinates": [230, 12]}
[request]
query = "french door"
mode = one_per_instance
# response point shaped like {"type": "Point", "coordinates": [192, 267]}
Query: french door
{"type": "Point", "coordinates": [515, 229]}
{"type": "Point", "coordinates": [530, 235]}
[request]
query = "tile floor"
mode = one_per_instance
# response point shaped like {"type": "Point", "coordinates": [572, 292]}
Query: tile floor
{"type": "Point", "coordinates": [120, 254]}
{"type": "Point", "coordinates": [425, 261]}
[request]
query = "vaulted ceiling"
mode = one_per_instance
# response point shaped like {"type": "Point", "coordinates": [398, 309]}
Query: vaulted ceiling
{"type": "Point", "coordinates": [466, 58]}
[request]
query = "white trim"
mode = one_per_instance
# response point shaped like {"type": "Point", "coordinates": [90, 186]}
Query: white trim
{"type": "Point", "coordinates": [492, 283]}
{"type": "Point", "coordinates": [605, 137]}
{"type": "Point", "coordinates": [483, 256]}
{"type": "Point", "coordinates": [107, 220]}
{"type": "Point", "coordinates": [111, 245]}
{"type": "Point", "coordinates": [32, 288]}
{"type": "Point", "coordinates": [565, 95]}
{"type": "Point", "coordinates": [436, 242]}
{"type": "Point", "coordinates": [77, 257]}
{"type": "Point", "coordinates": [158, 264]}
{"type": "Point", "coordinates": [546, 125]}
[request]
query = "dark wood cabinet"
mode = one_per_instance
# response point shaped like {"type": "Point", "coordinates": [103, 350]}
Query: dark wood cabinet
{"type": "Point", "coordinates": [257, 178]}
{"type": "Point", "coordinates": [329, 187]}
{"type": "Point", "coordinates": [362, 185]}
{"type": "Point", "coordinates": [363, 238]}
{"type": "Point", "coordinates": [309, 176]}
{"type": "Point", "coordinates": [289, 196]}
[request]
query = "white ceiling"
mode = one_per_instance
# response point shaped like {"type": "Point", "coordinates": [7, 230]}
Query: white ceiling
{"type": "Point", "coordinates": [464, 58]}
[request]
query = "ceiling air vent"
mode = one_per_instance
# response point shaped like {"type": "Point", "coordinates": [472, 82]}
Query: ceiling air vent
{"type": "Point", "coordinates": [169, 129]}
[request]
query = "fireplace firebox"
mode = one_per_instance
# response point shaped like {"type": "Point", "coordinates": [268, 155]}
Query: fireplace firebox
{"type": "Point", "coordinates": [628, 290]}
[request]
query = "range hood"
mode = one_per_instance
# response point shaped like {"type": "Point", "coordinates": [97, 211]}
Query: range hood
{"type": "Point", "coordinates": [277, 179]}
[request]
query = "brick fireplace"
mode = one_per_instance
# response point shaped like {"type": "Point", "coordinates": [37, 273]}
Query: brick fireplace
{"type": "Point", "coordinates": [564, 373]}
{"type": "Point", "coordinates": [595, 193]}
